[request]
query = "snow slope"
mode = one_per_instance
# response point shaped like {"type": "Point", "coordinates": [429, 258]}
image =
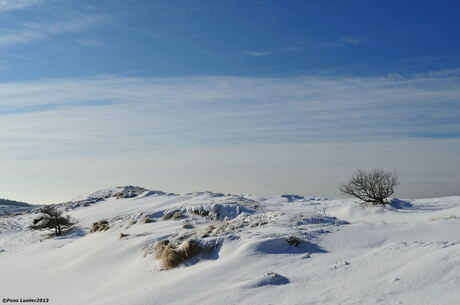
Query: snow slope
{"type": "Point", "coordinates": [8, 207]}
{"type": "Point", "coordinates": [287, 249]}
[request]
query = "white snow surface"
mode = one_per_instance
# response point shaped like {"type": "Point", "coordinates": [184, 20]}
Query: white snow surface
{"type": "Point", "coordinates": [287, 249]}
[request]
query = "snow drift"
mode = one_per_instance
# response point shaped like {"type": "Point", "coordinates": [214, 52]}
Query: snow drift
{"type": "Point", "coordinates": [235, 249]}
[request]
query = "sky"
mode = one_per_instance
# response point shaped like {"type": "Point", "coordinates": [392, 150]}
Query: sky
{"type": "Point", "coordinates": [261, 97]}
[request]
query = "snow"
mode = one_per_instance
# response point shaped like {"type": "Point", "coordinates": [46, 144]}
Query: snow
{"type": "Point", "coordinates": [8, 207]}
{"type": "Point", "coordinates": [269, 278]}
{"type": "Point", "coordinates": [287, 249]}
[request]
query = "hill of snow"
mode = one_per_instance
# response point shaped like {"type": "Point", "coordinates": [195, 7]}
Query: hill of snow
{"type": "Point", "coordinates": [8, 207]}
{"type": "Point", "coordinates": [286, 249]}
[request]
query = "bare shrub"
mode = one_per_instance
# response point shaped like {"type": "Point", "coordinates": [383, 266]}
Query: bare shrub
{"type": "Point", "coordinates": [293, 241]}
{"type": "Point", "coordinates": [99, 226]}
{"type": "Point", "coordinates": [52, 219]}
{"type": "Point", "coordinates": [373, 186]}
{"type": "Point", "coordinates": [171, 256]}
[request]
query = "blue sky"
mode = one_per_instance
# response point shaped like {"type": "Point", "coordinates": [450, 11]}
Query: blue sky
{"type": "Point", "coordinates": [54, 38]}
{"type": "Point", "coordinates": [254, 96]}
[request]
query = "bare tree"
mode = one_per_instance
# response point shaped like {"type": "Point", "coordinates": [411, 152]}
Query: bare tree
{"type": "Point", "coordinates": [373, 186]}
{"type": "Point", "coordinates": [52, 219]}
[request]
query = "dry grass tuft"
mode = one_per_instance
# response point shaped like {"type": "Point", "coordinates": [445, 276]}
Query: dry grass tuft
{"type": "Point", "coordinates": [99, 226]}
{"type": "Point", "coordinates": [444, 218]}
{"type": "Point", "coordinates": [187, 225]}
{"type": "Point", "coordinates": [173, 216]}
{"type": "Point", "coordinates": [208, 231]}
{"type": "Point", "coordinates": [191, 248]}
{"type": "Point", "coordinates": [200, 212]}
{"type": "Point", "coordinates": [171, 256]}
{"type": "Point", "coordinates": [148, 220]}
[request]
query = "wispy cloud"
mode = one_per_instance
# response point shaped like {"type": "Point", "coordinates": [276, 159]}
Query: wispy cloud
{"type": "Point", "coordinates": [32, 31]}
{"type": "Point", "coordinates": [353, 40]}
{"type": "Point", "coordinates": [90, 42]}
{"type": "Point", "coordinates": [423, 59]}
{"type": "Point", "coordinates": [17, 110]}
{"type": "Point", "coordinates": [8, 5]}
{"type": "Point", "coordinates": [258, 53]}
{"type": "Point", "coordinates": [343, 41]}
{"type": "Point", "coordinates": [254, 53]}
{"type": "Point", "coordinates": [230, 132]}
{"type": "Point", "coordinates": [237, 110]}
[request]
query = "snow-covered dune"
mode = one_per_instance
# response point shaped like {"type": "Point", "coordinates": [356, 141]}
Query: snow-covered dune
{"type": "Point", "coordinates": [8, 207]}
{"type": "Point", "coordinates": [287, 249]}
